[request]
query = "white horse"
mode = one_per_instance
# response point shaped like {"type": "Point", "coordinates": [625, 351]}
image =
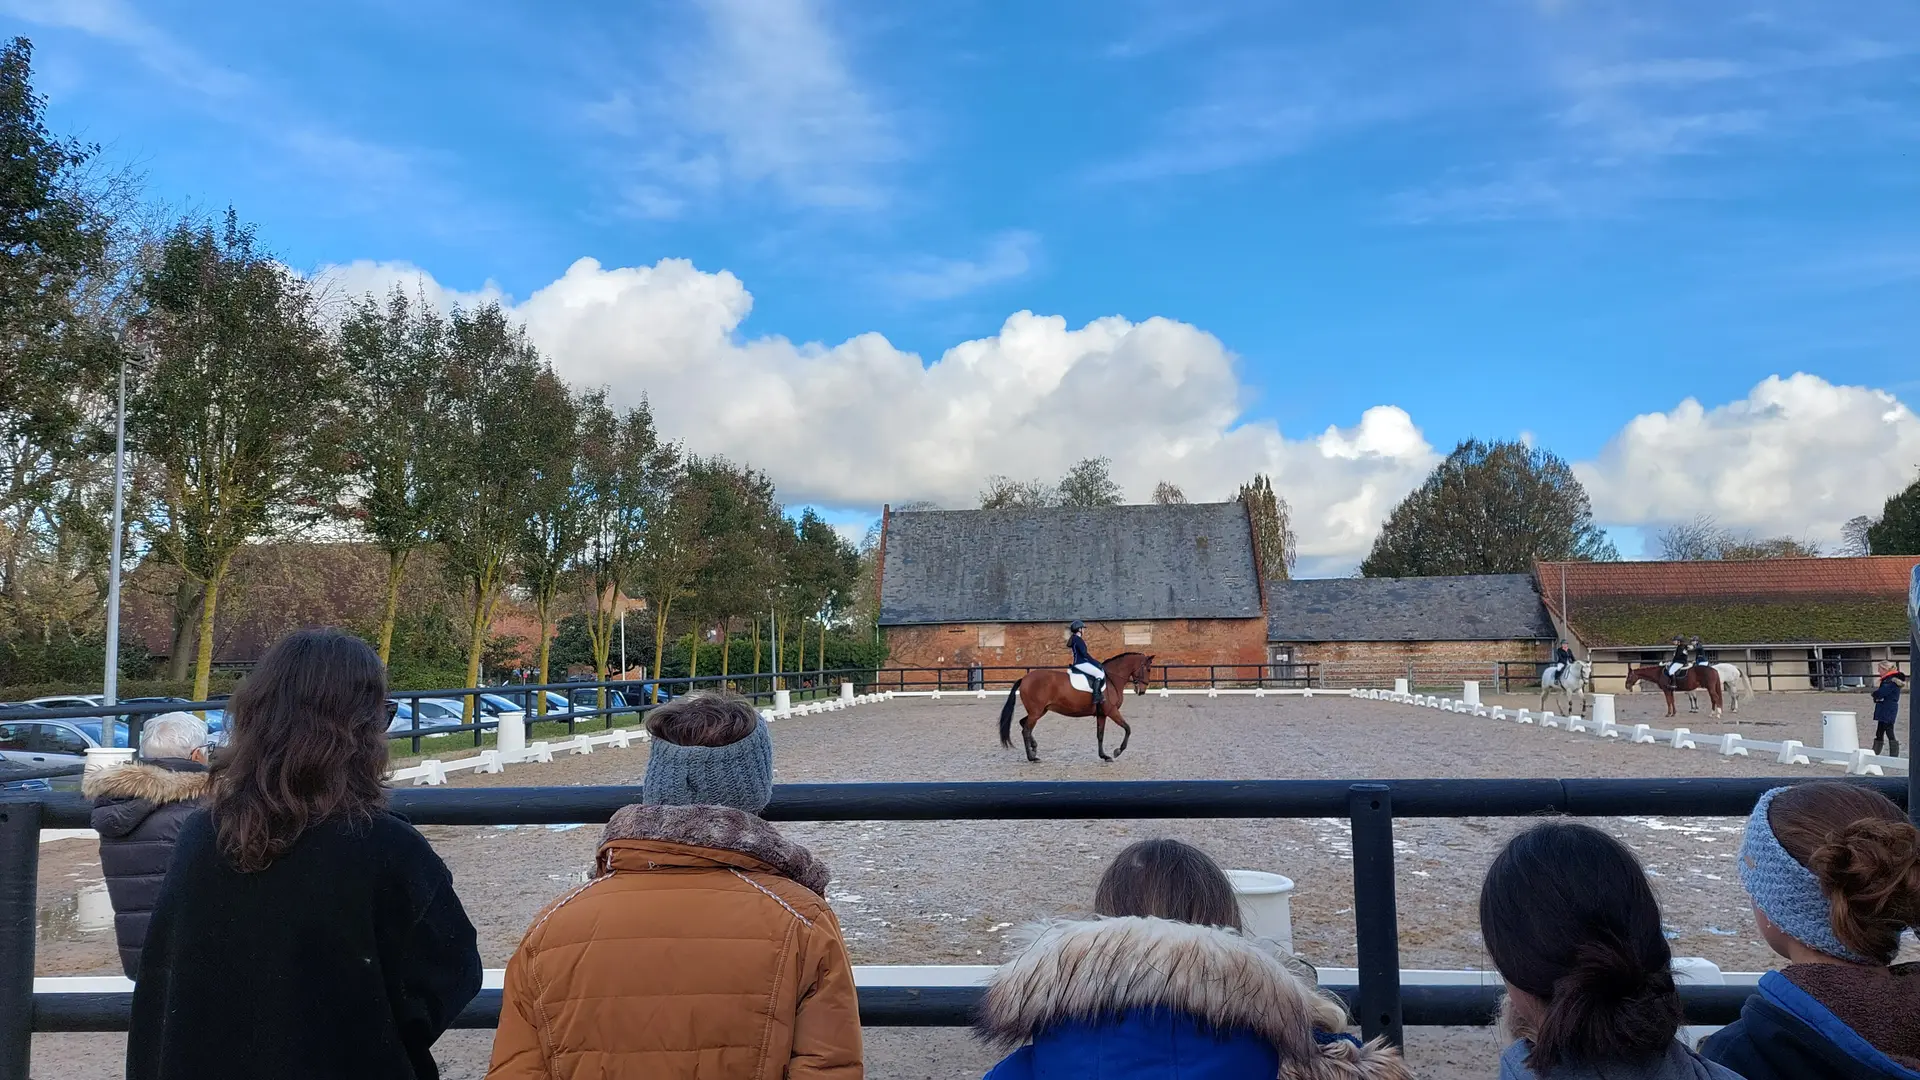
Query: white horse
{"type": "Point", "coordinates": [1572, 680]}
{"type": "Point", "coordinates": [1732, 680]}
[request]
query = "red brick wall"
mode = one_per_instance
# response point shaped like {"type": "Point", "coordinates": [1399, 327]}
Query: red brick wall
{"type": "Point", "coordinates": [1175, 641]}
{"type": "Point", "coordinates": [1418, 651]}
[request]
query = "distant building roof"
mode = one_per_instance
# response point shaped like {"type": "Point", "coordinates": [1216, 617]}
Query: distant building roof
{"type": "Point", "coordinates": [1057, 564]}
{"type": "Point", "coordinates": [1480, 607]}
{"type": "Point", "coordinates": [1733, 602]}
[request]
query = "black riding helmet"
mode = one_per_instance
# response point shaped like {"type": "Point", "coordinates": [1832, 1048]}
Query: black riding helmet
{"type": "Point", "coordinates": [1076, 625]}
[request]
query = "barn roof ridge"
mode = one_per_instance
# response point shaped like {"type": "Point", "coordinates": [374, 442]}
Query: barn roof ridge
{"type": "Point", "coordinates": [1466, 607]}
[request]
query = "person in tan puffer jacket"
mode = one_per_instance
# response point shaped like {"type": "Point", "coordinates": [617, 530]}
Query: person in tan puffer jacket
{"type": "Point", "coordinates": [702, 946]}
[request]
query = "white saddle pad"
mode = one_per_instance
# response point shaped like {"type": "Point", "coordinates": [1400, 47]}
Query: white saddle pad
{"type": "Point", "coordinates": [1079, 682]}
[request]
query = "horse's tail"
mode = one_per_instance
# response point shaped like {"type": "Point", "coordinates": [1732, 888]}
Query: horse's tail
{"type": "Point", "coordinates": [1006, 713]}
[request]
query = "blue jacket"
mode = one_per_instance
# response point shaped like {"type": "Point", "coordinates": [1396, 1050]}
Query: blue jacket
{"type": "Point", "coordinates": [1785, 1033]}
{"type": "Point", "coordinates": [1080, 654]}
{"type": "Point", "coordinates": [1141, 1044]}
{"type": "Point", "coordinates": [1154, 999]}
{"type": "Point", "coordinates": [1886, 701]}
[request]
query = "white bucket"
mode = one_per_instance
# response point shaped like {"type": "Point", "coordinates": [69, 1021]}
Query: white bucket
{"type": "Point", "coordinates": [1266, 904]}
{"type": "Point", "coordinates": [1839, 731]}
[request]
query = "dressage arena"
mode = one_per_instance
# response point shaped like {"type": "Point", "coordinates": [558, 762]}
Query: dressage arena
{"type": "Point", "coordinates": [948, 892]}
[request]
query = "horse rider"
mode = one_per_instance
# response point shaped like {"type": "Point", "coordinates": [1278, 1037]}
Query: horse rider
{"type": "Point", "coordinates": [1698, 650]}
{"type": "Point", "coordinates": [1562, 661]}
{"type": "Point", "coordinates": [1084, 663]}
{"type": "Point", "coordinates": [1681, 660]}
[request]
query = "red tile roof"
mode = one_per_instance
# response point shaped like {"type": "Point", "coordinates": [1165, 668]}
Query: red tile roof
{"type": "Point", "coordinates": [1880, 576]}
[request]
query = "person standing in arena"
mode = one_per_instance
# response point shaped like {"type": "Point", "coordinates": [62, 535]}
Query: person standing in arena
{"type": "Point", "coordinates": [1833, 870]}
{"type": "Point", "coordinates": [702, 946]}
{"type": "Point", "coordinates": [303, 931]}
{"type": "Point", "coordinates": [1886, 709]}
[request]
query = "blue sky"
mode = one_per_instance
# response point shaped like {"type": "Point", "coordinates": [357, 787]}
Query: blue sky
{"type": "Point", "coordinates": [1539, 217]}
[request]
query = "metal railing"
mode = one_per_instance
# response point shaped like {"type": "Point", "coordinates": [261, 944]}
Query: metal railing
{"type": "Point", "coordinates": [1379, 1002]}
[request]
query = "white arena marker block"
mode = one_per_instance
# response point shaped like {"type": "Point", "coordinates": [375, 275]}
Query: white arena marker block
{"type": "Point", "coordinates": [1213, 691]}
{"type": "Point", "coordinates": [490, 762]}
{"type": "Point", "coordinates": [1641, 733]}
{"type": "Point", "coordinates": [1499, 712]}
{"type": "Point", "coordinates": [1524, 717]}
{"type": "Point", "coordinates": [1682, 739]}
{"type": "Point", "coordinates": [620, 738]}
{"type": "Point", "coordinates": [432, 773]}
{"type": "Point", "coordinates": [541, 751]}
{"type": "Point", "coordinates": [1548, 719]}
{"type": "Point", "coordinates": [1790, 753]}
{"type": "Point", "coordinates": [1164, 692]}
{"type": "Point", "coordinates": [1861, 763]}
{"type": "Point", "coordinates": [1607, 729]}
{"type": "Point", "coordinates": [1731, 745]}
{"type": "Point", "coordinates": [1261, 691]}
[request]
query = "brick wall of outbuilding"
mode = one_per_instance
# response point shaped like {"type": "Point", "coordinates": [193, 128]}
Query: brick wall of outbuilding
{"type": "Point", "coordinates": [1031, 645]}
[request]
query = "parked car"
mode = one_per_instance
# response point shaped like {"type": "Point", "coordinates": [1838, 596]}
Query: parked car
{"type": "Point", "coordinates": [66, 701]}
{"type": "Point", "coordinates": [50, 743]}
{"type": "Point", "coordinates": [436, 715]}
{"type": "Point", "coordinates": [589, 699]}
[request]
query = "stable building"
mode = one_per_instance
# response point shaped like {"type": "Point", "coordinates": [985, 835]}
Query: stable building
{"type": "Point", "coordinates": [1367, 631]}
{"type": "Point", "coordinates": [1789, 624]}
{"type": "Point", "coordinates": [997, 588]}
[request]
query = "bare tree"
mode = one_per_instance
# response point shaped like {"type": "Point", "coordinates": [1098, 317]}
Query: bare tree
{"type": "Point", "coordinates": [1855, 536]}
{"type": "Point", "coordinates": [1167, 493]}
{"type": "Point", "coordinates": [1272, 522]}
{"type": "Point", "coordinates": [1004, 493]}
{"type": "Point", "coordinates": [1701, 538]}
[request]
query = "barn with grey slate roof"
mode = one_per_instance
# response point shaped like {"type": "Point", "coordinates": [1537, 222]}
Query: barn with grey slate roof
{"type": "Point", "coordinates": [1480, 607]}
{"type": "Point", "coordinates": [998, 586]}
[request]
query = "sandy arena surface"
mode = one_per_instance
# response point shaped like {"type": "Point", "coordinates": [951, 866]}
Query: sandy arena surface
{"type": "Point", "coordinates": [931, 892]}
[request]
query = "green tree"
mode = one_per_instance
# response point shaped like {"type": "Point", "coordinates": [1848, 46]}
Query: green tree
{"type": "Point", "coordinates": [237, 409]}
{"type": "Point", "coordinates": [1088, 483]}
{"type": "Point", "coordinates": [553, 534]}
{"type": "Point", "coordinates": [741, 517]}
{"type": "Point", "coordinates": [1897, 532]}
{"type": "Point", "coordinates": [395, 356]}
{"type": "Point", "coordinates": [673, 552]}
{"type": "Point", "coordinates": [58, 354]}
{"type": "Point", "coordinates": [625, 473]}
{"type": "Point", "coordinates": [477, 488]}
{"type": "Point", "coordinates": [1489, 508]}
{"type": "Point", "coordinates": [1002, 493]}
{"type": "Point", "coordinates": [821, 570]}
{"type": "Point", "coordinates": [1272, 521]}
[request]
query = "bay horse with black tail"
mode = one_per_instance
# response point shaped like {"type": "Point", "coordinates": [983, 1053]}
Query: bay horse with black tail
{"type": "Point", "coordinates": [1695, 677]}
{"type": "Point", "coordinates": [1045, 690]}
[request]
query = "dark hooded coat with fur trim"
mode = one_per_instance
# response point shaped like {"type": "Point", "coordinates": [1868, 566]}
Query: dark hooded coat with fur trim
{"type": "Point", "coordinates": [702, 947]}
{"type": "Point", "coordinates": [1152, 999]}
{"type": "Point", "coordinates": [138, 809]}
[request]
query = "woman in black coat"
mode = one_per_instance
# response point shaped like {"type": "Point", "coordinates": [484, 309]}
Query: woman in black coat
{"type": "Point", "coordinates": [303, 931]}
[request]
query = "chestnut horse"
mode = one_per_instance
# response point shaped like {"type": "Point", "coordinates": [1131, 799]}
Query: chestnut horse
{"type": "Point", "coordinates": [1044, 690]}
{"type": "Point", "coordinates": [1695, 677]}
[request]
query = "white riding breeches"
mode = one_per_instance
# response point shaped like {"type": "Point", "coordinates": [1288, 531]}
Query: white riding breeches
{"type": "Point", "coordinates": [1091, 671]}
{"type": "Point", "coordinates": [1676, 669]}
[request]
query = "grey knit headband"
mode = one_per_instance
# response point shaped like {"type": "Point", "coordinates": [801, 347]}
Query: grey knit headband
{"type": "Point", "coordinates": [1786, 891]}
{"type": "Point", "coordinates": [739, 774]}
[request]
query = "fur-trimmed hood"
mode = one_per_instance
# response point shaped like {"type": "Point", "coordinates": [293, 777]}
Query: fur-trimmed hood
{"type": "Point", "coordinates": [641, 837]}
{"type": "Point", "coordinates": [126, 795]}
{"type": "Point", "coordinates": [1089, 970]}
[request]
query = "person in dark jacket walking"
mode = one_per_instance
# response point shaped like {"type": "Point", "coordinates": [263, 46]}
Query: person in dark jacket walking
{"type": "Point", "coordinates": [138, 809]}
{"type": "Point", "coordinates": [303, 930]}
{"type": "Point", "coordinates": [1166, 985]}
{"type": "Point", "coordinates": [1833, 870]}
{"type": "Point", "coordinates": [1886, 709]}
{"type": "Point", "coordinates": [1574, 929]}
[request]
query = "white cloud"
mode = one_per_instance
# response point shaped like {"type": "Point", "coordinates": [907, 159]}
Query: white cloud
{"type": "Point", "coordinates": [1798, 455]}
{"type": "Point", "coordinates": [761, 95]}
{"type": "Point", "coordinates": [347, 283]}
{"type": "Point", "coordinates": [863, 422]}
{"type": "Point", "coordinates": [1009, 255]}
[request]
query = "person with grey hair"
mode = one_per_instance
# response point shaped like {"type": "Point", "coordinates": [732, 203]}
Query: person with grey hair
{"type": "Point", "coordinates": [138, 809]}
{"type": "Point", "coordinates": [702, 945]}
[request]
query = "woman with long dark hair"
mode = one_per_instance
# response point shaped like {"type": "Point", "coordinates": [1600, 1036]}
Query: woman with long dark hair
{"type": "Point", "coordinates": [1574, 929]}
{"type": "Point", "coordinates": [303, 930]}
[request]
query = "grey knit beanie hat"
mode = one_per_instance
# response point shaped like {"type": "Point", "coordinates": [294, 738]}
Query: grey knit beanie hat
{"type": "Point", "coordinates": [739, 774]}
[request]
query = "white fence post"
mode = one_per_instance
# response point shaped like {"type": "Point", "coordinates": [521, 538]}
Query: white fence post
{"type": "Point", "coordinates": [1839, 731]}
{"type": "Point", "coordinates": [1470, 692]}
{"type": "Point", "coordinates": [1603, 709]}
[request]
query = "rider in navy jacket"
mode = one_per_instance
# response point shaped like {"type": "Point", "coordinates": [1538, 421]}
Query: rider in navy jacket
{"type": "Point", "coordinates": [1083, 659]}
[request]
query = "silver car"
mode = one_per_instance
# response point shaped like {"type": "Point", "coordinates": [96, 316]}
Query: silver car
{"type": "Point", "coordinates": [53, 743]}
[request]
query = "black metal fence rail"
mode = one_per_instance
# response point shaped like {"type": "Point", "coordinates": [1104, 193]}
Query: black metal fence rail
{"type": "Point", "coordinates": [1379, 1002]}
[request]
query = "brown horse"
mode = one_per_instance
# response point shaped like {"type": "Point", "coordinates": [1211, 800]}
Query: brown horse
{"type": "Point", "coordinates": [1695, 677]}
{"type": "Point", "coordinates": [1044, 690]}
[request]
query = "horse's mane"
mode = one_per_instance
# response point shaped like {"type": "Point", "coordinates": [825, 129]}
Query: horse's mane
{"type": "Point", "coordinates": [1117, 657]}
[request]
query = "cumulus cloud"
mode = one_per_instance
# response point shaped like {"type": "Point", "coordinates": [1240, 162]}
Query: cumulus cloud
{"type": "Point", "coordinates": [861, 422]}
{"type": "Point", "coordinates": [1798, 455]}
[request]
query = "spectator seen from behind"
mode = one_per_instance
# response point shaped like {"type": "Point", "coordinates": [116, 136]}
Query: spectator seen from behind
{"type": "Point", "coordinates": [1834, 873]}
{"type": "Point", "coordinates": [1572, 925]}
{"type": "Point", "coordinates": [1886, 709]}
{"type": "Point", "coordinates": [1166, 985]}
{"type": "Point", "coordinates": [303, 931]}
{"type": "Point", "coordinates": [138, 809]}
{"type": "Point", "coordinates": [702, 946]}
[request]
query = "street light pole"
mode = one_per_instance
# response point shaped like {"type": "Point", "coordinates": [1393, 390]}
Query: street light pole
{"type": "Point", "coordinates": [623, 641]}
{"type": "Point", "coordinates": [111, 682]}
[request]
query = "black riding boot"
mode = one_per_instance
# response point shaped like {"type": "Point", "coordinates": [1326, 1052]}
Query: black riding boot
{"type": "Point", "coordinates": [1099, 696]}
